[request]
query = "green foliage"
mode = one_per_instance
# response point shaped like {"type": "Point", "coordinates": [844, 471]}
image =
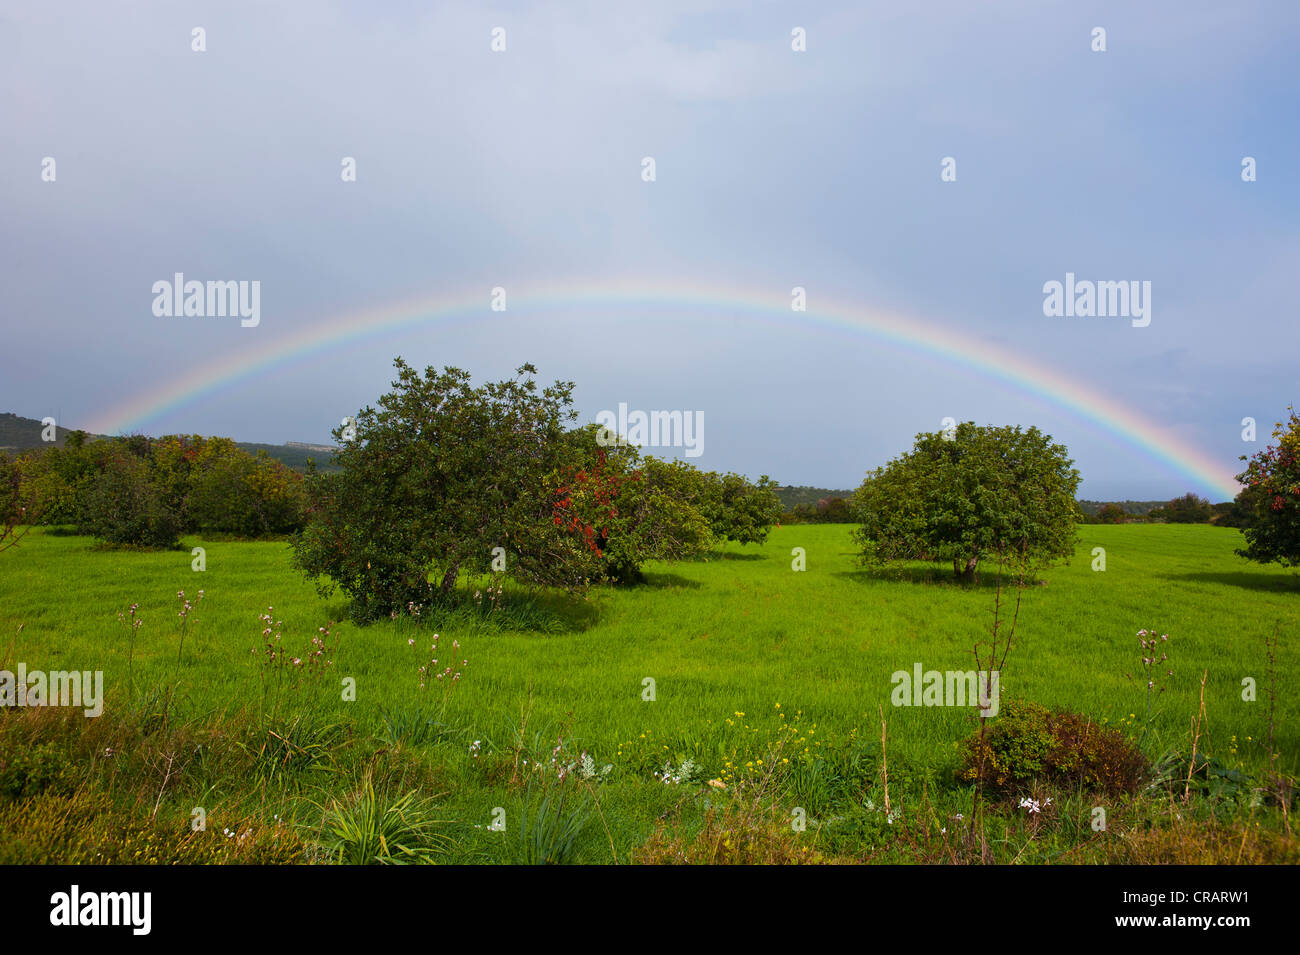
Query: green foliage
{"type": "Point", "coordinates": [1271, 498]}
{"type": "Point", "coordinates": [740, 510]}
{"type": "Point", "coordinates": [983, 491]}
{"type": "Point", "coordinates": [232, 491]}
{"type": "Point", "coordinates": [436, 477]}
{"type": "Point", "coordinates": [642, 508]}
{"type": "Point", "coordinates": [86, 828]}
{"type": "Point", "coordinates": [124, 504]}
{"type": "Point", "coordinates": [1188, 509]}
{"type": "Point", "coordinates": [1030, 743]}
{"type": "Point", "coordinates": [550, 830]}
{"type": "Point", "coordinates": [285, 747]}
{"type": "Point", "coordinates": [13, 508]}
{"type": "Point", "coordinates": [1111, 514]}
{"type": "Point", "coordinates": [137, 490]}
{"type": "Point", "coordinates": [376, 829]}
{"type": "Point", "coordinates": [829, 510]}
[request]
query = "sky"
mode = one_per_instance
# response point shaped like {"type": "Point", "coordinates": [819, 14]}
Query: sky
{"type": "Point", "coordinates": [523, 169]}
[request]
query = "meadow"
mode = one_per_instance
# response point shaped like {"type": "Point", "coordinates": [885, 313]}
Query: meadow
{"type": "Point", "coordinates": [765, 702]}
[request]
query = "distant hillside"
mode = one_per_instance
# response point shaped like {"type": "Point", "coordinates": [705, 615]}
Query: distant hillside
{"type": "Point", "coordinates": [791, 496]}
{"type": "Point", "coordinates": [294, 454]}
{"type": "Point", "coordinates": [1130, 507]}
{"type": "Point", "coordinates": [24, 434]}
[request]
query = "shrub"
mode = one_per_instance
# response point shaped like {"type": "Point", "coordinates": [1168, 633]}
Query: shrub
{"type": "Point", "coordinates": [741, 510]}
{"type": "Point", "coordinates": [124, 505]}
{"type": "Point", "coordinates": [1030, 743]}
{"type": "Point", "coordinates": [232, 491]}
{"type": "Point", "coordinates": [743, 831]}
{"type": "Point", "coordinates": [1188, 509]}
{"type": "Point", "coordinates": [1111, 514]}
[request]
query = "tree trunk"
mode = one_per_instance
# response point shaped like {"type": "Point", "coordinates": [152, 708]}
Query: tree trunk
{"type": "Point", "coordinates": [449, 578]}
{"type": "Point", "coordinates": [964, 569]}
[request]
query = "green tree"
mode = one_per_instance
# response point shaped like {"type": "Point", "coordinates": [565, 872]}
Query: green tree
{"type": "Point", "coordinates": [1271, 498]}
{"type": "Point", "coordinates": [1111, 514]}
{"type": "Point", "coordinates": [124, 505]}
{"type": "Point", "coordinates": [13, 509]}
{"type": "Point", "coordinates": [1188, 509]}
{"type": "Point", "coordinates": [434, 479]}
{"type": "Point", "coordinates": [983, 491]}
{"type": "Point", "coordinates": [228, 489]}
{"type": "Point", "coordinates": [740, 510]}
{"type": "Point", "coordinates": [639, 508]}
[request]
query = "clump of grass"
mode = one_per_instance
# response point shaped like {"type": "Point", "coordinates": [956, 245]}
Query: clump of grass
{"type": "Point", "coordinates": [551, 828]}
{"type": "Point", "coordinates": [284, 747]}
{"type": "Point", "coordinates": [1029, 743]}
{"type": "Point", "coordinates": [375, 828]}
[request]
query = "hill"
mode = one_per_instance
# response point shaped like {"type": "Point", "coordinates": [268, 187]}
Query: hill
{"type": "Point", "coordinates": [791, 496]}
{"type": "Point", "coordinates": [18, 434]}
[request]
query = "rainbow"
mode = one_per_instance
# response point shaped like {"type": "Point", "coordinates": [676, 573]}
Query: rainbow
{"type": "Point", "coordinates": [905, 333]}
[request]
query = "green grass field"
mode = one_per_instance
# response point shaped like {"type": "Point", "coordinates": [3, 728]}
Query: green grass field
{"type": "Point", "coordinates": [737, 646]}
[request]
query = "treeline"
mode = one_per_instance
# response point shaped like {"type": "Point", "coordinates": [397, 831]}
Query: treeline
{"type": "Point", "coordinates": [148, 491]}
{"type": "Point", "coordinates": [828, 510]}
{"type": "Point", "coordinates": [1188, 509]}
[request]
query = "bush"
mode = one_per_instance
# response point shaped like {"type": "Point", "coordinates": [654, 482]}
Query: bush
{"type": "Point", "coordinates": [1030, 743]}
{"type": "Point", "coordinates": [741, 510]}
{"type": "Point", "coordinates": [231, 491]}
{"type": "Point", "coordinates": [1188, 509]}
{"type": "Point", "coordinates": [124, 505]}
{"type": "Point", "coordinates": [377, 829]}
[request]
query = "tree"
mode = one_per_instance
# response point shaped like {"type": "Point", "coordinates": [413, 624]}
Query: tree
{"type": "Point", "coordinates": [740, 510]}
{"type": "Point", "coordinates": [1271, 498]}
{"type": "Point", "coordinates": [1188, 509]}
{"type": "Point", "coordinates": [1111, 514]}
{"type": "Point", "coordinates": [982, 491]}
{"type": "Point", "coordinates": [640, 509]}
{"type": "Point", "coordinates": [228, 489]}
{"type": "Point", "coordinates": [436, 478]}
{"type": "Point", "coordinates": [124, 505]}
{"type": "Point", "coordinates": [13, 510]}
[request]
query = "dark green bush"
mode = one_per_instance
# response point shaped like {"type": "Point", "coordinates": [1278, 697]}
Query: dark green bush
{"type": "Point", "coordinates": [1030, 743]}
{"type": "Point", "coordinates": [126, 506]}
